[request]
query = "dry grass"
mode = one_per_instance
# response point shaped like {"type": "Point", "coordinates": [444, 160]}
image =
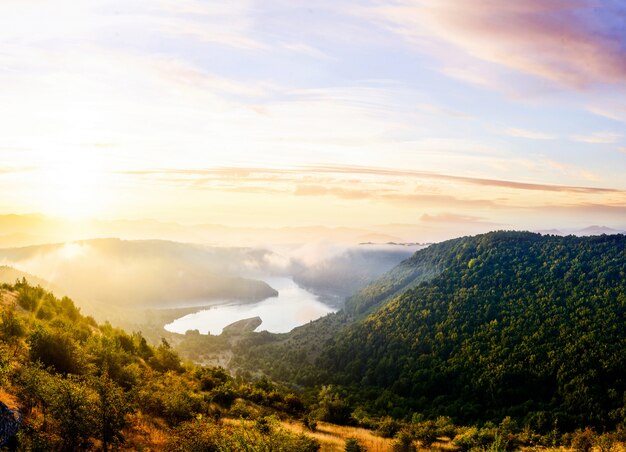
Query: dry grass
{"type": "Point", "coordinates": [7, 298]}
{"type": "Point", "coordinates": [144, 433]}
{"type": "Point", "coordinates": [333, 437]}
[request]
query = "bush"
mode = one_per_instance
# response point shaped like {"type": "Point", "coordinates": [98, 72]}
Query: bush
{"type": "Point", "coordinates": [243, 410]}
{"type": "Point", "coordinates": [387, 427]}
{"type": "Point", "coordinates": [472, 437]}
{"type": "Point", "coordinates": [404, 442]}
{"type": "Point", "coordinates": [582, 440]}
{"type": "Point", "coordinates": [332, 407]}
{"type": "Point", "coordinates": [426, 432]}
{"type": "Point", "coordinates": [352, 445]}
{"type": "Point", "coordinates": [445, 427]}
{"type": "Point", "coordinates": [309, 422]}
{"type": "Point", "coordinates": [72, 407]}
{"type": "Point", "coordinates": [607, 442]}
{"type": "Point", "coordinates": [56, 349]}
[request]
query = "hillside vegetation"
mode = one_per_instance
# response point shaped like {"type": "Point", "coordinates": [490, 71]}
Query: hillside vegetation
{"type": "Point", "coordinates": [506, 325]}
{"type": "Point", "coordinates": [83, 386]}
{"type": "Point", "coordinates": [514, 324]}
{"type": "Point", "coordinates": [496, 342]}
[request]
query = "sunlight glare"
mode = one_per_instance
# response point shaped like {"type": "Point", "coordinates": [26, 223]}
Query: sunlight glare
{"type": "Point", "coordinates": [72, 190]}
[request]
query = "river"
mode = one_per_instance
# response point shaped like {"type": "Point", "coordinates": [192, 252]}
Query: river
{"type": "Point", "coordinates": [293, 307]}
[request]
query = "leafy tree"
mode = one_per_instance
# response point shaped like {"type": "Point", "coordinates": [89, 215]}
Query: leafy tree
{"type": "Point", "coordinates": [71, 406]}
{"type": "Point", "coordinates": [111, 412]}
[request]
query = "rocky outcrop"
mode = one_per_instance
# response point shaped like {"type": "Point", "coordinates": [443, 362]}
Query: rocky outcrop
{"type": "Point", "coordinates": [10, 421]}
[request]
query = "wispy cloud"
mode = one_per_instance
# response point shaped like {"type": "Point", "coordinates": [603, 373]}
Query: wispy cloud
{"type": "Point", "coordinates": [612, 109]}
{"type": "Point", "coordinates": [598, 138]}
{"type": "Point", "coordinates": [531, 135]}
{"type": "Point", "coordinates": [291, 175]}
{"type": "Point", "coordinates": [16, 170]}
{"type": "Point", "coordinates": [447, 217]}
{"type": "Point", "coordinates": [439, 110]}
{"type": "Point", "coordinates": [305, 49]}
{"type": "Point", "coordinates": [571, 43]}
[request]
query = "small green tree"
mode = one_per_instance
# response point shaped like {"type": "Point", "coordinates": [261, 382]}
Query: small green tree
{"type": "Point", "coordinates": [352, 445]}
{"type": "Point", "coordinates": [332, 407]}
{"type": "Point", "coordinates": [112, 409]}
{"type": "Point", "coordinates": [72, 408]}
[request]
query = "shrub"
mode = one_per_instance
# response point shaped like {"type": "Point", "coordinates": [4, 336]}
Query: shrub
{"type": "Point", "coordinates": [388, 427]}
{"type": "Point", "coordinates": [582, 440]}
{"type": "Point", "coordinates": [607, 442]}
{"type": "Point", "coordinates": [426, 432]}
{"type": "Point", "coordinates": [472, 437]}
{"type": "Point", "coordinates": [445, 427]}
{"type": "Point", "coordinates": [309, 422]}
{"type": "Point", "coordinates": [404, 441]}
{"type": "Point", "coordinates": [243, 410]}
{"type": "Point", "coordinates": [352, 445]}
{"type": "Point", "coordinates": [56, 349]}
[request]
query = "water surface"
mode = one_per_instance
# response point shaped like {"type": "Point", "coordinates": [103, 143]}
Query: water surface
{"type": "Point", "coordinates": [293, 307]}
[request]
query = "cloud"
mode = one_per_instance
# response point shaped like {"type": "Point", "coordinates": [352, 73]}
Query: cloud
{"type": "Point", "coordinates": [438, 110]}
{"type": "Point", "coordinates": [598, 138]}
{"type": "Point", "coordinates": [16, 170]}
{"type": "Point", "coordinates": [338, 173]}
{"type": "Point", "coordinates": [450, 218]}
{"type": "Point", "coordinates": [305, 49]}
{"type": "Point", "coordinates": [612, 109]}
{"type": "Point", "coordinates": [531, 135]}
{"type": "Point", "coordinates": [575, 43]}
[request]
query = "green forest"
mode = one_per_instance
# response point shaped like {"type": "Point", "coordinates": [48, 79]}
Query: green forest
{"type": "Point", "coordinates": [501, 341]}
{"type": "Point", "coordinates": [505, 325]}
{"type": "Point", "coordinates": [515, 324]}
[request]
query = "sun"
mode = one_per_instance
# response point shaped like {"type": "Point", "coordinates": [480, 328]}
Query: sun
{"type": "Point", "coordinates": [73, 190]}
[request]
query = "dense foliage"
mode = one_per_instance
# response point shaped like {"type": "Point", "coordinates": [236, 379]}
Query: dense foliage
{"type": "Point", "coordinates": [81, 385]}
{"type": "Point", "coordinates": [514, 324]}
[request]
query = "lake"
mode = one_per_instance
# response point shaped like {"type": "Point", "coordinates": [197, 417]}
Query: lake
{"type": "Point", "coordinates": [293, 307]}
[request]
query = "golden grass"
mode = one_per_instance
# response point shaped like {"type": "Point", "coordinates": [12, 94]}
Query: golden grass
{"type": "Point", "coordinates": [333, 437]}
{"type": "Point", "coordinates": [145, 434]}
{"type": "Point", "coordinates": [7, 298]}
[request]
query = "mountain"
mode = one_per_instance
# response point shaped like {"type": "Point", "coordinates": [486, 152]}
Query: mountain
{"type": "Point", "coordinates": [550, 232]}
{"type": "Point", "coordinates": [35, 229]}
{"type": "Point", "coordinates": [8, 275]}
{"type": "Point", "coordinates": [596, 230]}
{"type": "Point", "coordinates": [477, 328]}
{"type": "Point", "coordinates": [511, 323]}
{"type": "Point", "coordinates": [113, 273]}
{"type": "Point", "coordinates": [339, 275]}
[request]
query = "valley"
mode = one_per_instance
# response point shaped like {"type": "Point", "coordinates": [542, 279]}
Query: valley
{"type": "Point", "coordinates": [435, 337]}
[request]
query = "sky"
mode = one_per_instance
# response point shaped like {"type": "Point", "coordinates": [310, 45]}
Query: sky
{"type": "Point", "coordinates": [338, 113]}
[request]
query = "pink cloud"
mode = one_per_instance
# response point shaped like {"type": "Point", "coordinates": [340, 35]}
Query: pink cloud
{"type": "Point", "coordinates": [566, 42]}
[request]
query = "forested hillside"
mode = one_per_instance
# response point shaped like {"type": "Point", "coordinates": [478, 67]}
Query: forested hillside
{"type": "Point", "coordinates": [514, 324]}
